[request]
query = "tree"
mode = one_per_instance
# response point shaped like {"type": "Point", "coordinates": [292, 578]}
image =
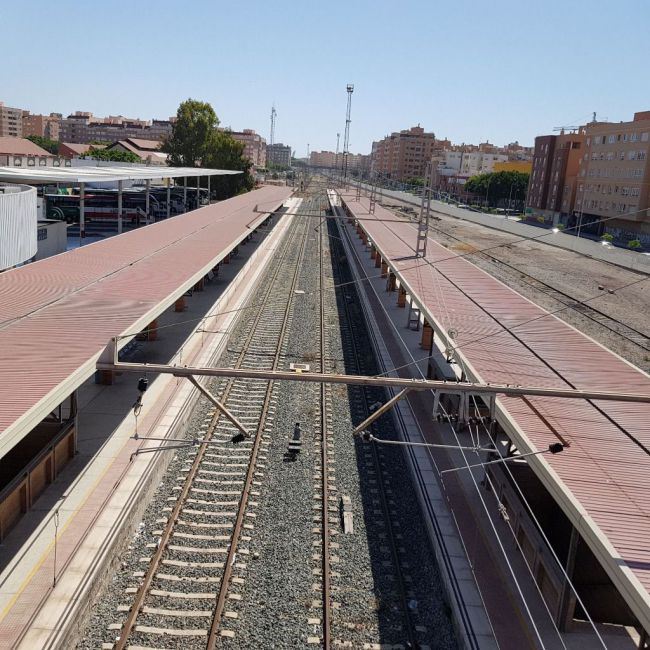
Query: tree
{"type": "Point", "coordinates": [45, 143]}
{"type": "Point", "coordinates": [193, 134]}
{"type": "Point", "coordinates": [196, 141]}
{"type": "Point", "coordinates": [498, 186]}
{"type": "Point", "coordinates": [113, 155]}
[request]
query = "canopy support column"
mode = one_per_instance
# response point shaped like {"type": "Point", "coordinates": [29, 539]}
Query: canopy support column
{"type": "Point", "coordinates": [208, 190]}
{"type": "Point", "coordinates": [169, 198]}
{"type": "Point", "coordinates": [185, 194]}
{"type": "Point", "coordinates": [147, 201]}
{"type": "Point", "coordinates": [198, 192]}
{"type": "Point", "coordinates": [82, 212]}
{"type": "Point", "coordinates": [119, 207]}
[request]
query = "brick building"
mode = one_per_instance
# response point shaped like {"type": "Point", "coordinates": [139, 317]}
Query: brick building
{"type": "Point", "coordinates": [254, 146]}
{"type": "Point", "coordinates": [46, 126]}
{"type": "Point", "coordinates": [404, 154]}
{"type": "Point", "coordinates": [555, 168]}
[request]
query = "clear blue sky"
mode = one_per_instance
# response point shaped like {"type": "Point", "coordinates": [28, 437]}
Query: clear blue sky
{"type": "Point", "coordinates": [500, 70]}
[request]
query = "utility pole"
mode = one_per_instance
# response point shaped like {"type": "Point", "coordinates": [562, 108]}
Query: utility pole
{"type": "Point", "coordinates": [346, 138]}
{"type": "Point", "coordinates": [336, 159]}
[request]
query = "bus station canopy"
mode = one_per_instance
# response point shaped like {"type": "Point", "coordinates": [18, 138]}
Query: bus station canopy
{"type": "Point", "coordinates": [77, 175]}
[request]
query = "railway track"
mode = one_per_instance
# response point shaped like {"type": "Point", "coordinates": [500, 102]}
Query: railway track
{"type": "Point", "coordinates": [326, 444]}
{"type": "Point", "coordinates": [375, 463]}
{"type": "Point", "coordinates": [202, 548]}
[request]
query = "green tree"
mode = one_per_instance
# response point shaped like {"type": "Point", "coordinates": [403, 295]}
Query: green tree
{"type": "Point", "coordinates": [193, 135]}
{"type": "Point", "coordinates": [45, 143]}
{"type": "Point", "coordinates": [498, 186]}
{"type": "Point", "coordinates": [113, 155]}
{"type": "Point", "coordinates": [196, 141]}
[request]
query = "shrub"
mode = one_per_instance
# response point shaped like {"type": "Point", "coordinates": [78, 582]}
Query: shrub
{"type": "Point", "coordinates": [541, 220]}
{"type": "Point", "coordinates": [634, 243]}
{"type": "Point", "coordinates": [608, 237]}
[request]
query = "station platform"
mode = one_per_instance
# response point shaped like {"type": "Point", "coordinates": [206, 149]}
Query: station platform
{"type": "Point", "coordinates": [54, 560]}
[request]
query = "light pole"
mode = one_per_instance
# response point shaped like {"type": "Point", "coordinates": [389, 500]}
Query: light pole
{"type": "Point", "coordinates": [487, 190]}
{"type": "Point", "coordinates": [509, 199]}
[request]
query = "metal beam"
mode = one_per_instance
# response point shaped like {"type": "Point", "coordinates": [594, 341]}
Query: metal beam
{"type": "Point", "coordinates": [219, 405]}
{"type": "Point", "coordinates": [380, 411]}
{"type": "Point", "coordinates": [361, 380]}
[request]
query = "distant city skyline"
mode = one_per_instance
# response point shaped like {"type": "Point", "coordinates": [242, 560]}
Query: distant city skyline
{"type": "Point", "coordinates": [469, 72]}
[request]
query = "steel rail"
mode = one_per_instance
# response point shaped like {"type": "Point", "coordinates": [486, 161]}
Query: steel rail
{"type": "Point", "coordinates": [224, 585]}
{"type": "Point", "coordinates": [139, 599]}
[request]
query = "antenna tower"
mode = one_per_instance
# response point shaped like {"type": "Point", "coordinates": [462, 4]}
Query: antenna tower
{"type": "Point", "coordinates": [346, 138]}
{"type": "Point", "coordinates": [273, 115]}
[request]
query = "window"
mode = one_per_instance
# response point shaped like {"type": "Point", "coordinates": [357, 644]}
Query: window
{"type": "Point", "coordinates": [31, 162]}
{"type": "Point", "coordinates": [621, 155]}
{"type": "Point", "coordinates": [644, 137]}
{"type": "Point", "coordinates": [42, 162]}
{"type": "Point", "coordinates": [18, 161]}
{"type": "Point", "coordinates": [611, 138]}
{"type": "Point", "coordinates": [631, 155]}
{"type": "Point", "coordinates": [633, 137]}
{"type": "Point", "coordinates": [640, 155]}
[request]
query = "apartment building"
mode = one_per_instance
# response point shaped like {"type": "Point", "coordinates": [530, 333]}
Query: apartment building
{"type": "Point", "coordinates": [325, 159]}
{"type": "Point", "coordinates": [553, 179]}
{"type": "Point", "coordinates": [11, 121]}
{"type": "Point", "coordinates": [614, 180]}
{"type": "Point", "coordinates": [83, 128]}
{"type": "Point", "coordinates": [278, 154]}
{"type": "Point", "coordinates": [254, 146]}
{"type": "Point", "coordinates": [404, 154]}
{"type": "Point", "coordinates": [46, 126]}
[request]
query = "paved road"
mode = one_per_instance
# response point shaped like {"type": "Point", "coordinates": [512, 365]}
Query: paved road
{"type": "Point", "coordinates": [619, 256]}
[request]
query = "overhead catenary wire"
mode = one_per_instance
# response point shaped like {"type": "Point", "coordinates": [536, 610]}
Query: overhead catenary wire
{"type": "Point", "coordinates": [462, 448]}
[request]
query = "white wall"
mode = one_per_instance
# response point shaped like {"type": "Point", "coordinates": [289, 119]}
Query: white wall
{"type": "Point", "coordinates": [17, 225]}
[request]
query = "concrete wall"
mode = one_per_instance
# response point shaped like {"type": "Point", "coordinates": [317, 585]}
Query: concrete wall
{"type": "Point", "coordinates": [52, 238]}
{"type": "Point", "coordinates": [17, 225]}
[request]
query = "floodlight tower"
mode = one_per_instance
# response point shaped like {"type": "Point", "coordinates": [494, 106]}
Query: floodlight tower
{"type": "Point", "coordinates": [346, 138]}
{"type": "Point", "coordinates": [273, 115]}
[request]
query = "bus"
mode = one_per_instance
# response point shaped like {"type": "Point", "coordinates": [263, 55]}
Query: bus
{"type": "Point", "coordinates": [100, 205]}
